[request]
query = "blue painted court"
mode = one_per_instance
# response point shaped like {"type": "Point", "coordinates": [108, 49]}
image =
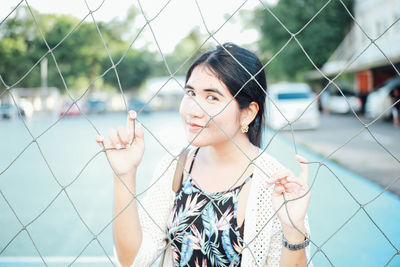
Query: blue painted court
{"type": "Point", "coordinates": [63, 230]}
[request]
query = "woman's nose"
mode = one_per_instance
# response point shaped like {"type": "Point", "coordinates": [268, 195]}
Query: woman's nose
{"type": "Point", "coordinates": [195, 109]}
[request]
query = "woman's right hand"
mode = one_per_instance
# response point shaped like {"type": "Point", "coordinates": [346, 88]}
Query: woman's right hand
{"type": "Point", "coordinates": [124, 156]}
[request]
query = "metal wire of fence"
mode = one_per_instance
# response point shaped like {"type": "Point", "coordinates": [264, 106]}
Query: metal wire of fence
{"type": "Point", "coordinates": [63, 189]}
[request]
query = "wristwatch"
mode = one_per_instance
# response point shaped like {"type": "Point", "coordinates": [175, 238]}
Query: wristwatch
{"type": "Point", "coordinates": [298, 246]}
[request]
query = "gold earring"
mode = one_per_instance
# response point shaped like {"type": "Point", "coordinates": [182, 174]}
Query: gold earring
{"type": "Point", "coordinates": [244, 128]}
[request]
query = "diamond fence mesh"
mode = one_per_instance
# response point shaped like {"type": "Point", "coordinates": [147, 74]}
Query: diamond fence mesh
{"type": "Point", "coordinates": [63, 187]}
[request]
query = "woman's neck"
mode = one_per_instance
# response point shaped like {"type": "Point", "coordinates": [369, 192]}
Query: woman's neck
{"type": "Point", "coordinates": [228, 152]}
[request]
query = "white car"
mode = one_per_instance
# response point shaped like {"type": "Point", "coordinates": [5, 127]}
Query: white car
{"type": "Point", "coordinates": [337, 103]}
{"type": "Point", "coordinates": [291, 100]}
{"type": "Point", "coordinates": [379, 102]}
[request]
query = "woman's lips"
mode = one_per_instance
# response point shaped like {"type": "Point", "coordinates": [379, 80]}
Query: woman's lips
{"type": "Point", "coordinates": [194, 127]}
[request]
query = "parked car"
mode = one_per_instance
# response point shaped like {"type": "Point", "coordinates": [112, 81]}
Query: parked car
{"type": "Point", "coordinates": [292, 100]}
{"type": "Point", "coordinates": [337, 103]}
{"type": "Point", "coordinates": [378, 102]}
{"type": "Point", "coordinates": [137, 105]}
{"type": "Point", "coordinates": [96, 106]}
{"type": "Point", "coordinates": [67, 111]}
{"type": "Point", "coordinates": [8, 111]}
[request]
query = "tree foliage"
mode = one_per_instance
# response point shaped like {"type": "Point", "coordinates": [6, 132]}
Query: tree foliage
{"type": "Point", "coordinates": [319, 38]}
{"type": "Point", "coordinates": [134, 67]}
{"type": "Point", "coordinates": [81, 57]}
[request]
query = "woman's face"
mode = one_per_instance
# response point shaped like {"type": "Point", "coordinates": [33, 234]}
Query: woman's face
{"type": "Point", "coordinates": [205, 96]}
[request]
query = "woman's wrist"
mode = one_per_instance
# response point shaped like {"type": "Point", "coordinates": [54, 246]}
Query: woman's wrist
{"type": "Point", "coordinates": [296, 246]}
{"type": "Point", "coordinates": [294, 234]}
{"type": "Point", "coordinates": [128, 179]}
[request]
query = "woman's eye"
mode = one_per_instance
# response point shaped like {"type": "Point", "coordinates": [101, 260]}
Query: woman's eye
{"type": "Point", "coordinates": [190, 93]}
{"type": "Point", "coordinates": [211, 97]}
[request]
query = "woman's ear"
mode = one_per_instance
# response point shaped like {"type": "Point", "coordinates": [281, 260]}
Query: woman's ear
{"type": "Point", "coordinates": [248, 114]}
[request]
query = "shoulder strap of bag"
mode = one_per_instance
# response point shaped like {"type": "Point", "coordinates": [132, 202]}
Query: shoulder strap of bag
{"type": "Point", "coordinates": [177, 182]}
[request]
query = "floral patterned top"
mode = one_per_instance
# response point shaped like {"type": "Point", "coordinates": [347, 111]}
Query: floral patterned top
{"type": "Point", "coordinates": [203, 226]}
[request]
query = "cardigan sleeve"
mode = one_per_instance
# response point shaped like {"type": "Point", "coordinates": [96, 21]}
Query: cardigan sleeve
{"type": "Point", "coordinates": [154, 209]}
{"type": "Point", "coordinates": [275, 247]}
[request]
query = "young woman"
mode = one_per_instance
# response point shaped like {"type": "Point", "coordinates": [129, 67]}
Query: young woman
{"type": "Point", "coordinates": [230, 208]}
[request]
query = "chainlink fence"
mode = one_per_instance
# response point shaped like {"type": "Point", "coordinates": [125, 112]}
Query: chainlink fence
{"type": "Point", "coordinates": [63, 188]}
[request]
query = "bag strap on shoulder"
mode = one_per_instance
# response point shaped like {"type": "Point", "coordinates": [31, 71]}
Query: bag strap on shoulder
{"type": "Point", "coordinates": [177, 182]}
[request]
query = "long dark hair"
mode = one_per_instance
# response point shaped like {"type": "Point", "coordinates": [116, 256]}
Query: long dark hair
{"type": "Point", "coordinates": [226, 67]}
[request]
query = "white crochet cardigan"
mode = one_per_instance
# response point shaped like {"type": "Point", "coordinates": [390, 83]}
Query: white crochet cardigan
{"type": "Point", "coordinates": [262, 230]}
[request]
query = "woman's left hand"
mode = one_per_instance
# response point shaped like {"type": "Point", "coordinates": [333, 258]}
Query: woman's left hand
{"type": "Point", "coordinates": [292, 187]}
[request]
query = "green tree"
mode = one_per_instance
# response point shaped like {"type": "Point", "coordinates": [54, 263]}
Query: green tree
{"type": "Point", "coordinates": [22, 45]}
{"type": "Point", "coordinates": [136, 66]}
{"type": "Point", "coordinates": [319, 38]}
{"type": "Point", "coordinates": [78, 55]}
{"type": "Point", "coordinates": [17, 49]}
{"type": "Point", "coordinates": [133, 69]}
{"type": "Point", "coordinates": [81, 57]}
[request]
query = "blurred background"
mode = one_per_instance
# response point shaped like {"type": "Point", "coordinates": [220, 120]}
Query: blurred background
{"type": "Point", "coordinates": [70, 70]}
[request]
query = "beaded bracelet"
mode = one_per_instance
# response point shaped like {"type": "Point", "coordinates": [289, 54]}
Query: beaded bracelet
{"type": "Point", "coordinates": [298, 246]}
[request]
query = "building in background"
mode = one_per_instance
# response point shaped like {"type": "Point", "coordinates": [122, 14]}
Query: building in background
{"type": "Point", "coordinates": [370, 66]}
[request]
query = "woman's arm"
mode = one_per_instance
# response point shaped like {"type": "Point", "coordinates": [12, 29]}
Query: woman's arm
{"type": "Point", "coordinates": [293, 257]}
{"type": "Point", "coordinates": [278, 255]}
{"type": "Point", "coordinates": [124, 150]}
{"type": "Point", "coordinates": [153, 211]}
{"type": "Point", "coordinates": [290, 199]}
{"type": "Point", "coordinates": [126, 226]}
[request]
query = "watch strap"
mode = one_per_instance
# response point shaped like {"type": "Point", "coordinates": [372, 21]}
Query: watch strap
{"type": "Point", "coordinates": [298, 246]}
